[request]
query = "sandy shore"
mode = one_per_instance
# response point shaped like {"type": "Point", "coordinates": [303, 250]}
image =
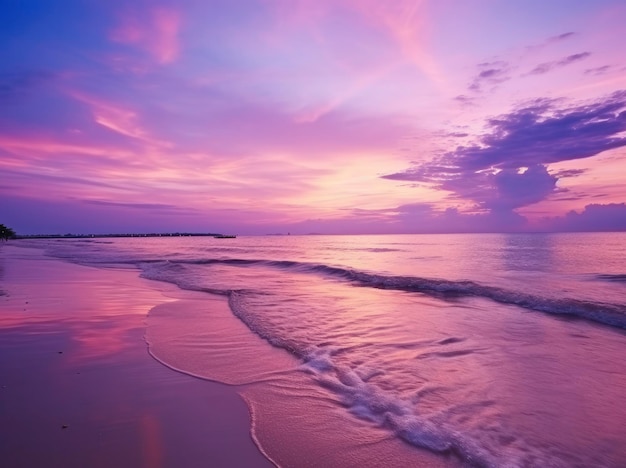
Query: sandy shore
{"type": "Point", "coordinates": [78, 387]}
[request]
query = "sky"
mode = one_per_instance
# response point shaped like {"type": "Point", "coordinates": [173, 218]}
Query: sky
{"type": "Point", "coordinates": [312, 116]}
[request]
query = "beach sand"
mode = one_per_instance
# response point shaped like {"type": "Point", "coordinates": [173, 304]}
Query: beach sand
{"type": "Point", "coordinates": [78, 387]}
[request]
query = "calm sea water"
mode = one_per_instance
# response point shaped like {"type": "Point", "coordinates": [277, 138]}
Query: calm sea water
{"type": "Point", "coordinates": [451, 350]}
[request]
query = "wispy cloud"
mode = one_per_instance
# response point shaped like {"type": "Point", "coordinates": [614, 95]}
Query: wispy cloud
{"type": "Point", "coordinates": [155, 31]}
{"type": "Point", "coordinates": [118, 118]}
{"type": "Point", "coordinates": [46, 145]}
{"type": "Point", "coordinates": [560, 37]}
{"type": "Point", "coordinates": [552, 40]}
{"type": "Point", "coordinates": [549, 66]}
{"type": "Point", "coordinates": [570, 173]}
{"type": "Point", "coordinates": [490, 74]}
{"type": "Point", "coordinates": [597, 71]}
{"type": "Point", "coordinates": [465, 100]}
{"type": "Point", "coordinates": [162, 207]}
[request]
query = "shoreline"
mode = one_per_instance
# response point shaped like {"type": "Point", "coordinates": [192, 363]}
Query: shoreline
{"type": "Point", "coordinates": [263, 409]}
{"type": "Point", "coordinates": [80, 387]}
{"type": "Point", "coordinates": [332, 375]}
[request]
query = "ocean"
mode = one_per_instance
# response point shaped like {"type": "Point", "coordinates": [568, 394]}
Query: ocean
{"type": "Point", "coordinates": [399, 350]}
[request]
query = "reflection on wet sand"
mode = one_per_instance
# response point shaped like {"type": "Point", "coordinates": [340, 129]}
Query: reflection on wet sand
{"type": "Point", "coordinates": [79, 388]}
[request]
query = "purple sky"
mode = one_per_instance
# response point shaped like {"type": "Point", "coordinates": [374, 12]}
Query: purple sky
{"type": "Point", "coordinates": [327, 116]}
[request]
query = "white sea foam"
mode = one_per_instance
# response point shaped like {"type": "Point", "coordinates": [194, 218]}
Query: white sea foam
{"type": "Point", "coordinates": [403, 418]}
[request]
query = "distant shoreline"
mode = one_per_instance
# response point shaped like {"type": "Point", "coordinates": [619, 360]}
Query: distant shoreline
{"type": "Point", "coordinates": [215, 234]}
{"type": "Point", "coordinates": [91, 236]}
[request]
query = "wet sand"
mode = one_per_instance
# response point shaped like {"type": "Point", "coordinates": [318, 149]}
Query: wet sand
{"type": "Point", "coordinates": [79, 388]}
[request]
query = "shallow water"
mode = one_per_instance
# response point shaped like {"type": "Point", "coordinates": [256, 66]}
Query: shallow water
{"type": "Point", "coordinates": [482, 350]}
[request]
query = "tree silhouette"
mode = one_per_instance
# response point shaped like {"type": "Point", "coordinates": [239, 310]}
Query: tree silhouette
{"type": "Point", "coordinates": [6, 233]}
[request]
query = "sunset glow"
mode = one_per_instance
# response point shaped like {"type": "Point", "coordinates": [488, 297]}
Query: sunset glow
{"type": "Point", "coordinates": [348, 116]}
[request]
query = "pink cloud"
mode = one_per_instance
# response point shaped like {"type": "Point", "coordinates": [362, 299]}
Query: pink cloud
{"type": "Point", "coordinates": [407, 23]}
{"type": "Point", "coordinates": [121, 119]}
{"type": "Point", "coordinates": [157, 34]}
{"type": "Point", "coordinates": [44, 145]}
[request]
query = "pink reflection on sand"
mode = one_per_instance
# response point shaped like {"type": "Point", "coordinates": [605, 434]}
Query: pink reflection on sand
{"type": "Point", "coordinates": [102, 309]}
{"type": "Point", "coordinates": [151, 441]}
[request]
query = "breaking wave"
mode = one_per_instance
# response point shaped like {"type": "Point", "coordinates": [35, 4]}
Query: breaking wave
{"type": "Point", "coordinates": [602, 312]}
